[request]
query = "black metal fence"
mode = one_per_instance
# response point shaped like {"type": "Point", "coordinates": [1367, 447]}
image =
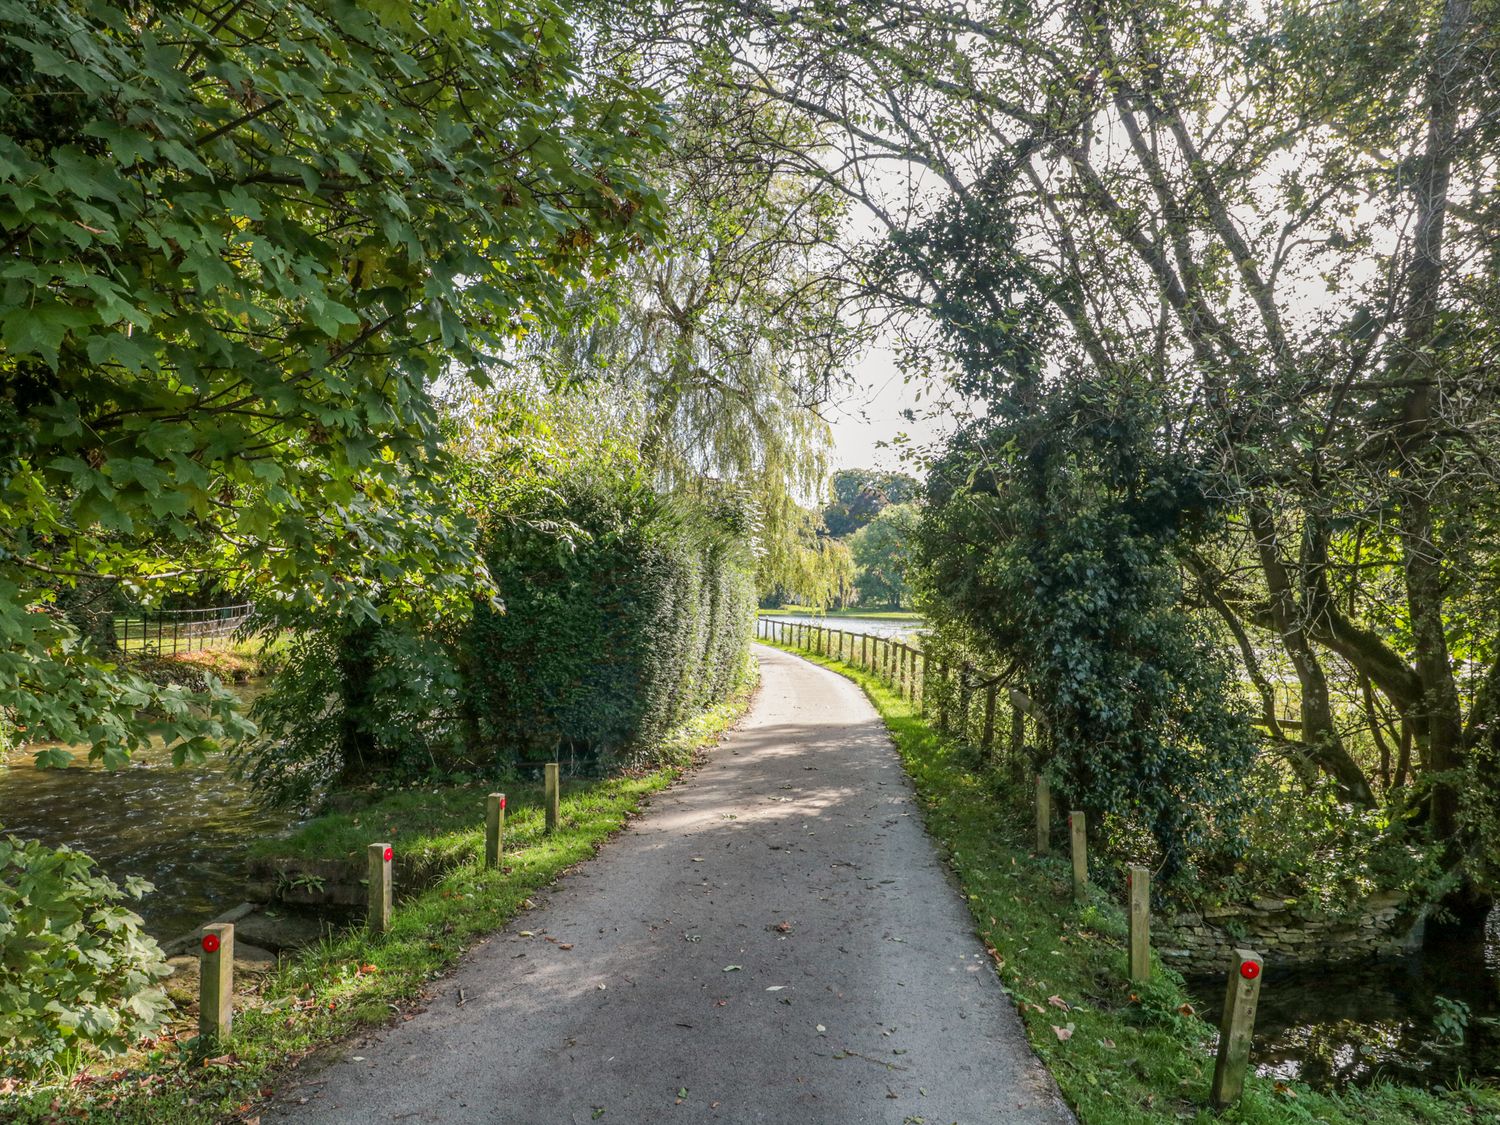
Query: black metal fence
{"type": "Point", "coordinates": [170, 631]}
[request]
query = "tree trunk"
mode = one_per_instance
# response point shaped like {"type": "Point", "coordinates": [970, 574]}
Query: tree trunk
{"type": "Point", "coordinates": [356, 658]}
{"type": "Point", "coordinates": [1319, 733]}
{"type": "Point", "coordinates": [1439, 714]}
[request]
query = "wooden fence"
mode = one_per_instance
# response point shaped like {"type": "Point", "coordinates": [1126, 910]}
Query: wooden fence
{"type": "Point", "coordinates": [965, 700]}
{"type": "Point", "coordinates": [969, 702]}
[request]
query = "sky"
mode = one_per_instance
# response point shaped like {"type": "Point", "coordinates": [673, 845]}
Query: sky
{"type": "Point", "coordinates": [869, 413]}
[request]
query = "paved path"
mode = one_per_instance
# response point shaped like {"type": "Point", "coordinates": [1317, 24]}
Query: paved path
{"type": "Point", "coordinates": [795, 853]}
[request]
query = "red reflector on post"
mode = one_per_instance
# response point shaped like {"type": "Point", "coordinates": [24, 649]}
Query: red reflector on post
{"type": "Point", "coordinates": [502, 802]}
{"type": "Point", "coordinates": [1249, 970]}
{"type": "Point", "coordinates": [388, 853]}
{"type": "Point", "coordinates": [210, 943]}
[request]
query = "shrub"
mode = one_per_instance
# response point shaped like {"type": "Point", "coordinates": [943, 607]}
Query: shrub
{"type": "Point", "coordinates": [76, 969]}
{"type": "Point", "coordinates": [366, 698]}
{"type": "Point", "coordinates": [611, 635]}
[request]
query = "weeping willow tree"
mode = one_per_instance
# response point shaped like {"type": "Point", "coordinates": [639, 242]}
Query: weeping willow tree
{"type": "Point", "coordinates": [723, 341]}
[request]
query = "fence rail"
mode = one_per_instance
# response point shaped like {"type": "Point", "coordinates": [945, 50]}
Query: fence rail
{"type": "Point", "coordinates": [170, 631]}
{"type": "Point", "coordinates": [967, 701]}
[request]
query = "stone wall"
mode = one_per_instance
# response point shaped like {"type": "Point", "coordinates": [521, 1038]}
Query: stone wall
{"type": "Point", "coordinates": [1285, 933]}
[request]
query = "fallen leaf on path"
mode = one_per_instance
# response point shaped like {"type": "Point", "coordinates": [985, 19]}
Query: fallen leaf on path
{"type": "Point", "coordinates": [821, 1028]}
{"type": "Point", "coordinates": [565, 945]}
{"type": "Point", "coordinates": [782, 927]}
{"type": "Point", "coordinates": [776, 988]}
{"type": "Point", "coordinates": [731, 968]}
{"type": "Point", "coordinates": [526, 933]}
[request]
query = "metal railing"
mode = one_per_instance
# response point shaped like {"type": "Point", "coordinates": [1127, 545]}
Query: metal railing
{"type": "Point", "coordinates": [170, 631]}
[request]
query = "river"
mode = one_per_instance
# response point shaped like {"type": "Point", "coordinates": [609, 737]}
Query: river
{"type": "Point", "coordinates": [183, 828]}
{"type": "Point", "coordinates": [873, 626]}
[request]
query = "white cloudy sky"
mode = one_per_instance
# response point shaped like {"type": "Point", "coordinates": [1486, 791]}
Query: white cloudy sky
{"type": "Point", "coordinates": [867, 418]}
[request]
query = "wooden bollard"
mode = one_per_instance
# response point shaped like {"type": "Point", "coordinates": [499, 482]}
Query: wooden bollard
{"type": "Point", "coordinates": [1078, 835]}
{"type": "Point", "coordinates": [1237, 1028]}
{"type": "Point", "coordinates": [864, 651]}
{"type": "Point", "coordinates": [494, 829]}
{"type": "Point", "coordinates": [1043, 816]}
{"type": "Point", "coordinates": [1138, 884]}
{"type": "Point", "coordinates": [988, 739]}
{"type": "Point", "coordinates": [554, 797]}
{"type": "Point", "coordinates": [216, 982]}
{"type": "Point", "coordinates": [378, 919]}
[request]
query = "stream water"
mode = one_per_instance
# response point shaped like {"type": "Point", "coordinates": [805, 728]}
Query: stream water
{"type": "Point", "coordinates": [183, 828]}
{"type": "Point", "coordinates": [1428, 1020]}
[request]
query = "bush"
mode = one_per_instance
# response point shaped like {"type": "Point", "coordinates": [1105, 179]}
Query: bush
{"type": "Point", "coordinates": [1050, 544]}
{"type": "Point", "coordinates": [356, 699]}
{"type": "Point", "coordinates": [611, 635]}
{"type": "Point", "coordinates": [75, 968]}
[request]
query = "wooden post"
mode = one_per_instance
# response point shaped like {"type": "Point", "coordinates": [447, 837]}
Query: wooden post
{"type": "Point", "coordinates": [1237, 1027]}
{"type": "Point", "coordinates": [1043, 816]}
{"type": "Point", "coordinates": [494, 829]}
{"type": "Point", "coordinates": [864, 651]}
{"type": "Point", "coordinates": [378, 919]}
{"type": "Point", "coordinates": [1138, 883]}
{"type": "Point", "coordinates": [1078, 835]}
{"type": "Point", "coordinates": [988, 740]}
{"type": "Point", "coordinates": [554, 798]}
{"type": "Point", "coordinates": [216, 982]}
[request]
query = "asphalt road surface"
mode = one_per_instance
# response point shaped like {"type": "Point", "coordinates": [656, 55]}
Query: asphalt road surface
{"type": "Point", "coordinates": [774, 940]}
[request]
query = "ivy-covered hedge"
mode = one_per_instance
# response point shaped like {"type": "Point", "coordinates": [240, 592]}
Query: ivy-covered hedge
{"type": "Point", "coordinates": [624, 613]}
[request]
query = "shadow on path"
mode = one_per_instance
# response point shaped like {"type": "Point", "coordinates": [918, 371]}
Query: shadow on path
{"type": "Point", "coordinates": [776, 936]}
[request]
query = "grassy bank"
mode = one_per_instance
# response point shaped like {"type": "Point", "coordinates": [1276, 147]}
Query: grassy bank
{"type": "Point", "coordinates": [1121, 1055]}
{"type": "Point", "coordinates": [356, 981]}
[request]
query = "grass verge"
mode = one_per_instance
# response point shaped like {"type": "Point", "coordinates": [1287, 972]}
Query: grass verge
{"type": "Point", "coordinates": [357, 981]}
{"type": "Point", "coordinates": [1121, 1055]}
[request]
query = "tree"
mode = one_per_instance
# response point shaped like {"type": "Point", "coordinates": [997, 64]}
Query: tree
{"type": "Point", "coordinates": [859, 495]}
{"type": "Point", "coordinates": [1275, 220]}
{"type": "Point", "coordinates": [725, 341]}
{"type": "Point", "coordinates": [243, 242]}
{"type": "Point", "coordinates": [882, 553]}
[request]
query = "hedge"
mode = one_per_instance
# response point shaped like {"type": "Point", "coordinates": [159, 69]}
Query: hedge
{"type": "Point", "coordinates": [624, 613]}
